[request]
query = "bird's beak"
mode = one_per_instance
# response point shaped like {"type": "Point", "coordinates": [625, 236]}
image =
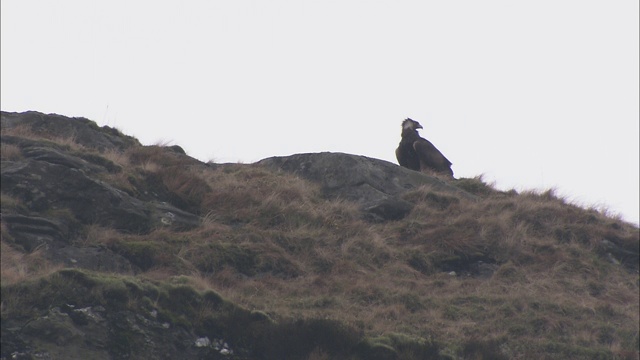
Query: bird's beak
{"type": "Point", "coordinates": [419, 126]}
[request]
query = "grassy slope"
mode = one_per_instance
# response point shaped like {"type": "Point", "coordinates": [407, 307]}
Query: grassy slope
{"type": "Point", "coordinates": [269, 242]}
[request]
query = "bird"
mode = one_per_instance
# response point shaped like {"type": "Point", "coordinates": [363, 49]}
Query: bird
{"type": "Point", "coordinates": [419, 154]}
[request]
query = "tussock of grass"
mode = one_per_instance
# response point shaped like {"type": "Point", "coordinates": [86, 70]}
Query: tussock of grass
{"type": "Point", "coordinates": [32, 133]}
{"type": "Point", "coordinates": [10, 152]}
{"type": "Point", "coordinates": [17, 266]}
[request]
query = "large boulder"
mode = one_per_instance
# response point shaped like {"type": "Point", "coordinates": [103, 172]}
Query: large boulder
{"type": "Point", "coordinates": [377, 185]}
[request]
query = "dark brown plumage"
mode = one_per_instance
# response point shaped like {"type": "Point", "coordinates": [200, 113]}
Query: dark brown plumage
{"type": "Point", "coordinates": [419, 154]}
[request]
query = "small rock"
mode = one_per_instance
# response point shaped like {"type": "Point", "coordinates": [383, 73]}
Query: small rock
{"type": "Point", "coordinates": [203, 342]}
{"type": "Point", "coordinates": [612, 259]}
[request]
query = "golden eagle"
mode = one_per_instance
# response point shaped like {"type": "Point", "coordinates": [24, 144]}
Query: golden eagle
{"type": "Point", "coordinates": [419, 154]}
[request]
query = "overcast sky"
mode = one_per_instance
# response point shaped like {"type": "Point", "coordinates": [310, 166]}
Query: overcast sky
{"type": "Point", "coordinates": [532, 94]}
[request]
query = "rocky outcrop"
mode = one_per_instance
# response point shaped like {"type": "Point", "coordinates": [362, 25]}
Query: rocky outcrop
{"type": "Point", "coordinates": [61, 190]}
{"type": "Point", "coordinates": [68, 185]}
{"type": "Point", "coordinates": [43, 185]}
{"type": "Point", "coordinates": [78, 315]}
{"type": "Point", "coordinates": [94, 321]}
{"type": "Point", "coordinates": [83, 131]}
{"type": "Point", "coordinates": [62, 181]}
{"type": "Point", "coordinates": [376, 185]}
{"type": "Point", "coordinates": [108, 248]}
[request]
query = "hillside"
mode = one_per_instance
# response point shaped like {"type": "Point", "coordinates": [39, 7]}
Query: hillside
{"type": "Point", "coordinates": [114, 250]}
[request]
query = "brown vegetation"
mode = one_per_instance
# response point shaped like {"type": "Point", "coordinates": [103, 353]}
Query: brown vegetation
{"type": "Point", "coordinates": [270, 242]}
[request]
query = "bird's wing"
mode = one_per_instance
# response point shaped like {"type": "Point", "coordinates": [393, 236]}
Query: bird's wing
{"type": "Point", "coordinates": [400, 158]}
{"type": "Point", "coordinates": [429, 154]}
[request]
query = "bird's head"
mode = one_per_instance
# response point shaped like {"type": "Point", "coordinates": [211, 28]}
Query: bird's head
{"type": "Point", "coordinates": [409, 124]}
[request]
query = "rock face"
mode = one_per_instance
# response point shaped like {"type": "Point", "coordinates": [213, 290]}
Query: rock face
{"type": "Point", "coordinates": [44, 185]}
{"type": "Point", "coordinates": [82, 329]}
{"type": "Point", "coordinates": [375, 184]}
{"type": "Point", "coordinates": [67, 186]}
{"type": "Point", "coordinates": [83, 131]}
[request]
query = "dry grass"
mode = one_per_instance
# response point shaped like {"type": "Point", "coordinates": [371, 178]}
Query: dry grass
{"type": "Point", "coordinates": [17, 266]}
{"type": "Point", "coordinates": [10, 152]}
{"type": "Point", "coordinates": [117, 157]}
{"type": "Point", "coordinates": [97, 235]}
{"type": "Point", "coordinates": [270, 242]}
{"type": "Point", "coordinates": [257, 196]}
{"type": "Point", "coordinates": [22, 131]}
{"type": "Point", "coordinates": [542, 245]}
{"type": "Point", "coordinates": [298, 256]}
{"type": "Point", "coordinates": [28, 132]}
{"type": "Point", "coordinates": [9, 203]}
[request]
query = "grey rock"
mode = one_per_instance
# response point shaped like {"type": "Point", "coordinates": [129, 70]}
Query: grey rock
{"type": "Point", "coordinates": [59, 191]}
{"type": "Point", "coordinates": [96, 258]}
{"type": "Point", "coordinates": [91, 332]}
{"type": "Point", "coordinates": [615, 251]}
{"type": "Point", "coordinates": [377, 185]}
{"type": "Point", "coordinates": [31, 232]}
{"type": "Point", "coordinates": [45, 186]}
{"type": "Point", "coordinates": [83, 131]}
{"type": "Point", "coordinates": [55, 327]}
{"type": "Point", "coordinates": [174, 217]}
{"type": "Point", "coordinates": [53, 156]}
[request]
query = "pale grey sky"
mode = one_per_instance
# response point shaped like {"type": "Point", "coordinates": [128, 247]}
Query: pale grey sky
{"type": "Point", "coordinates": [532, 94]}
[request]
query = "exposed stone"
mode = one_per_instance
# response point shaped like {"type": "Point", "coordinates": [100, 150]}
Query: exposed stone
{"type": "Point", "coordinates": [56, 327]}
{"type": "Point", "coordinates": [87, 333]}
{"type": "Point", "coordinates": [60, 190]}
{"type": "Point", "coordinates": [83, 131]}
{"type": "Point", "coordinates": [629, 257]}
{"type": "Point", "coordinates": [96, 258]}
{"type": "Point", "coordinates": [375, 184]}
{"type": "Point", "coordinates": [55, 191]}
{"type": "Point", "coordinates": [31, 232]}
{"type": "Point", "coordinates": [45, 186]}
{"type": "Point", "coordinates": [173, 217]}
